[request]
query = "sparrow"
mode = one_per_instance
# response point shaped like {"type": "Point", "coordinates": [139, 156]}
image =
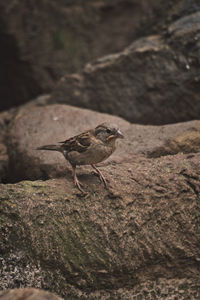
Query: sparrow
{"type": "Point", "coordinates": [88, 148]}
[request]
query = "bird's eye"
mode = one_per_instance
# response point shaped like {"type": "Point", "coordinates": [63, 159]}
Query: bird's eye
{"type": "Point", "coordinates": [108, 130]}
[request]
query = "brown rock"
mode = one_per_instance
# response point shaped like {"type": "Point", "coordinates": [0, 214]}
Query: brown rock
{"type": "Point", "coordinates": [27, 294]}
{"type": "Point", "coordinates": [5, 119]}
{"type": "Point", "coordinates": [41, 42]}
{"type": "Point", "coordinates": [47, 125]}
{"type": "Point", "coordinates": [3, 162]}
{"type": "Point", "coordinates": [140, 237]}
{"type": "Point", "coordinates": [36, 126]}
{"type": "Point", "coordinates": [153, 81]}
{"type": "Point", "coordinates": [142, 234]}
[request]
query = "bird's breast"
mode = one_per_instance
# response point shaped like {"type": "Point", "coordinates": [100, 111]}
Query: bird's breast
{"type": "Point", "coordinates": [95, 153]}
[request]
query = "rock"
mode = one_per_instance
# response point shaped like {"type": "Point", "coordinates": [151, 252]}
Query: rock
{"type": "Point", "coordinates": [170, 139]}
{"type": "Point", "coordinates": [5, 119]}
{"type": "Point", "coordinates": [161, 289]}
{"type": "Point", "coordinates": [36, 126]}
{"type": "Point", "coordinates": [27, 294]}
{"type": "Point", "coordinates": [141, 236]}
{"type": "Point", "coordinates": [153, 81]}
{"type": "Point", "coordinates": [3, 163]}
{"type": "Point", "coordinates": [41, 42]}
{"type": "Point", "coordinates": [59, 37]}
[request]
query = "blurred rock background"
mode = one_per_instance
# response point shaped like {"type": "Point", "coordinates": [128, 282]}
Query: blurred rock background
{"type": "Point", "coordinates": [43, 41]}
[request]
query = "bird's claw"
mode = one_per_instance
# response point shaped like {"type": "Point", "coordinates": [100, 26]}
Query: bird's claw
{"type": "Point", "coordinates": [79, 185]}
{"type": "Point", "coordinates": [102, 178]}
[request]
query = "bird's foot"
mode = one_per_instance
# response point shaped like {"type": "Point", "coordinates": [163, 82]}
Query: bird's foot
{"type": "Point", "coordinates": [79, 185]}
{"type": "Point", "coordinates": [103, 180]}
{"type": "Point", "coordinates": [101, 177]}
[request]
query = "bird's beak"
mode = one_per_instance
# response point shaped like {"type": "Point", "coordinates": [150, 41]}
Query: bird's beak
{"type": "Point", "coordinates": [120, 134]}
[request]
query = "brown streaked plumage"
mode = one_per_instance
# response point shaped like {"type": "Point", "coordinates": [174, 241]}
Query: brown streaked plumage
{"type": "Point", "coordinates": [88, 148]}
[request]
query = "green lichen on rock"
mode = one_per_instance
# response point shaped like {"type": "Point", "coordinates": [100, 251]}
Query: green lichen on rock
{"type": "Point", "coordinates": [145, 224]}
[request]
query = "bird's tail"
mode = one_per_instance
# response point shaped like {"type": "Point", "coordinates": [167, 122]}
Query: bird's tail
{"type": "Point", "coordinates": [50, 147]}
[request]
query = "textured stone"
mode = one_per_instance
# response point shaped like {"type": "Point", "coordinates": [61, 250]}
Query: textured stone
{"type": "Point", "coordinates": [153, 81]}
{"type": "Point", "coordinates": [141, 232]}
{"type": "Point", "coordinates": [42, 41]}
{"type": "Point", "coordinates": [36, 126]}
{"type": "Point", "coordinates": [138, 238]}
{"type": "Point", "coordinates": [27, 294]}
{"type": "Point", "coordinates": [5, 119]}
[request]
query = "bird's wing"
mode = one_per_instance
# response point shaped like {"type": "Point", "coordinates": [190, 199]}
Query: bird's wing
{"type": "Point", "coordinates": [79, 143]}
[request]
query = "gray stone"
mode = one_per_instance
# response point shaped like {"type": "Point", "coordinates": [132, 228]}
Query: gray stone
{"type": "Point", "coordinates": [153, 81]}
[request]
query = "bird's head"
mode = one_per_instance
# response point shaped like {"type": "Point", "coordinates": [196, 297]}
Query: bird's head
{"type": "Point", "coordinates": [108, 133]}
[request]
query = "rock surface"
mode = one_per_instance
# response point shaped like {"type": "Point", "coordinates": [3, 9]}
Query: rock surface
{"type": "Point", "coordinates": [36, 126]}
{"type": "Point", "coordinates": [153, 81]}
{"type": "Point", "coordinates": [5, 118]}
{"type": "Point", "coordinates": [141, 236]}
{"type": "Point", "coordinates": [27, 294]}
{"type": "Point", "coordinates": [40, 42]}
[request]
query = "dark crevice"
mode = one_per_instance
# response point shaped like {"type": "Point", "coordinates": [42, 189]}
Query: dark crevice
{"type": "Point", "coordinates": [17, 84]}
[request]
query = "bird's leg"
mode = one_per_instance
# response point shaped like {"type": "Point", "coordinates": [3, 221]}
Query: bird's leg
{"type": "Point", "coordinates": [102, 178]}
{"type": "Point", "coordinates": [76, 181]}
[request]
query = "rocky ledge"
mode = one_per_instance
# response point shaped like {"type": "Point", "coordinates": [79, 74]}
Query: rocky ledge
{"type": "Point", "coordinates": [138, 238]}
